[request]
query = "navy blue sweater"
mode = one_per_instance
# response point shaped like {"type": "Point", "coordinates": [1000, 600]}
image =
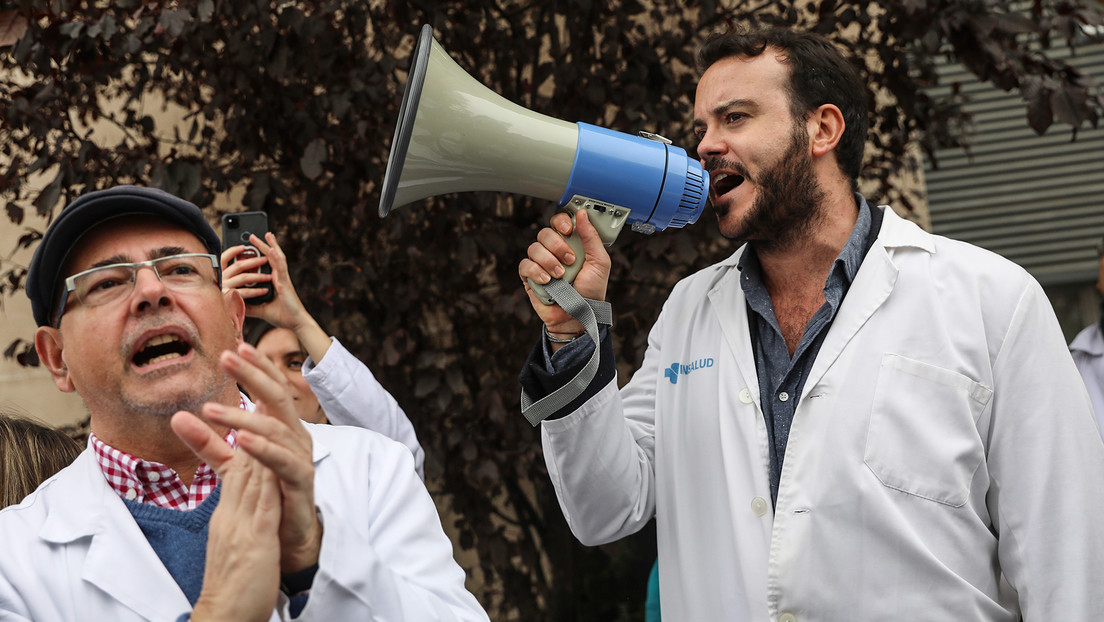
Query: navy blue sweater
{"type": "Point", "coordinates": [179, 537]}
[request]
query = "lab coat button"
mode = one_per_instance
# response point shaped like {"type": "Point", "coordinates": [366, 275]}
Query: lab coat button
{"type": "Point", "coordinates": [759, 506]}
{"type": "Point", "coordinates": [783, 397]}
{"type": "Point", "coordinates": [745, 396]}
{"type": "Point", "coordinates": [787, 617]}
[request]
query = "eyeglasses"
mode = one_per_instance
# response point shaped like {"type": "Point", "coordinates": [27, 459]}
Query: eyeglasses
{"type": "Point", "coordinates": [106, 284]}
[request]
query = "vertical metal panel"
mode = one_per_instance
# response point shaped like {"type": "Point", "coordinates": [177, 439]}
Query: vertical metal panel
{"type": "Point", "coordinates": [1037, 200]}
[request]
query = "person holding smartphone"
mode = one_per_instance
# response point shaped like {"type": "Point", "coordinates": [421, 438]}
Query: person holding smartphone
{"type": "Point", "coordinates": [328, 382]}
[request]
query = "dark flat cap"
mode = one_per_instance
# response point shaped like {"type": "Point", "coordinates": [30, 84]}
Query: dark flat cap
{"type": "Point", "coordinates": [89, 210]}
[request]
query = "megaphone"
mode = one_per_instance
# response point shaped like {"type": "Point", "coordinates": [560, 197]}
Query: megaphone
{"type": "Point", "coordinates": [455, 135]}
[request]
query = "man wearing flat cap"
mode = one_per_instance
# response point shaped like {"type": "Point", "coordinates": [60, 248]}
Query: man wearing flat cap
{"type": "Point", "coordinates": [192, 501]}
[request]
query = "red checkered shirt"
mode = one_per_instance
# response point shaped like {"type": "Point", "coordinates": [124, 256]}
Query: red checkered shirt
{"type": "Point", "coordinates": [152, 482]}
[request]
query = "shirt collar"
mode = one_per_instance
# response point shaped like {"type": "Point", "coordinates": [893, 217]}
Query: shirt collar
{"type": "Point", "coordinates": [152, 482]}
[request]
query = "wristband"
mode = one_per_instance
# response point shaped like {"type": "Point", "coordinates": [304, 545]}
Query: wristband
{"type": "Point", "coordinates": [298, 582]}
{"type": "Point", "coordinates": [549, 336]}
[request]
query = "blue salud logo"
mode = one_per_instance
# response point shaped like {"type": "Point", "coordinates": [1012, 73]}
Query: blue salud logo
{"type": "Point", "coordinates": [672, 373]}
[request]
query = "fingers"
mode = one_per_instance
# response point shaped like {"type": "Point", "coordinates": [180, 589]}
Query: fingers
{"type": "Point", "coordinates": [240, 274]}
{"type": "Point", "coordinates": [274, 436]}
{"type": "Point", "coordinates": [592, 242]}
{"type": "Point", "coordinates": [261, 380]}
{"type": "Point", "coordinates": [202, 440]}
{"type": "Point", "coordinates": [272, 254]}
{"type": "Point", "coordinates": [260, 244]}
{"type": "Point", "coordinates": [228, 256]}
{"type": "Point", "coordinates": [273, 251]}
{"type": "Point", "coordinates": [286, 310]}
{"type": "Point", "coordinates": [241, 575]}
{"type": "Point", "coordinates": [530, 269]}
{"type": "Point", "coordinates": [247, 485]}
{"type": "Point", "coordinates": [562, 222]}
{"type": "Point", "coordinates": [244, 265]}
{"type": "Point", "coordinates": [269, 441]}
{"type": "Point", "coordinates": [548, 255]}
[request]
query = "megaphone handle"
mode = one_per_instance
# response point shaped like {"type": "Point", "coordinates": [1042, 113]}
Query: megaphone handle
{"type": "Point", "coordinates": [570, 271]}
{"type": "Point", "coordinates": [607, 219]}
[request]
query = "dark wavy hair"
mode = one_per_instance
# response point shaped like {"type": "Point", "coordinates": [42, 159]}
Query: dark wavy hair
{"type": "Point", "coordinates": [819, 74]}
{"type": "Point", "coordinates": [253, 329]}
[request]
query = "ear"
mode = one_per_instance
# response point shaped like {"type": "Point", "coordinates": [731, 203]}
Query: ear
{"type": "Point", "coordinates": [825, 127]}
{"type": "Point", "coordinates": [235, 306]}
{"type": "Point", "coordinates": [50, 348]}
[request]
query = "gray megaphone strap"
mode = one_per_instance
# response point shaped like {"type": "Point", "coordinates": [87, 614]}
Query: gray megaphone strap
{"type": "Point", "coordinates": [590, 313]}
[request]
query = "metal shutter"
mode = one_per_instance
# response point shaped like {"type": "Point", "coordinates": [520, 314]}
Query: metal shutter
{"type": "Point", "coordinates": [1037, 200]}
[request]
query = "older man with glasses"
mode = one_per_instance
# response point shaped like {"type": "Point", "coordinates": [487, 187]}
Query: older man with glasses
{"type": "Point", "coordinates": [191, 501]}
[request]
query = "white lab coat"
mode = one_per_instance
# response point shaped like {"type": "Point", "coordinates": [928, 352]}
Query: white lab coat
{"type": "Point", "coordinates": [942, 438]}
{"type": "Point", "coordinates": [72, 552]}
{"type": "Point", "coordinates": [1087, 349]}
{"type": "Point", "coordinates": [350, 395]}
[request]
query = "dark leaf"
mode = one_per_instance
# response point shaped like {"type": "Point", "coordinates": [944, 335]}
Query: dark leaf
{"type": "Point", "coordinates": [1039, 113]}
{"type": "Point", "coordinates": [313, 158]}
{"type": "Point", "coordinates": [426, 384]}
{"type": "Point", "coordinates": [12, 26]}
{"type": "Point", "coordinates": [205, 9]}
{"type": "Point", "coordinates": [173, 21]}
{"type": "Point", "coordinates": [28, 239]}
{"type": "Point", "coordinates": [1070, 105]}
{"type": "Point", "coordinates": [15, 212]}
{"type": "Point", "coordinates": [46, 200]}
{"type": "Point", "coordinates": [28, 357]}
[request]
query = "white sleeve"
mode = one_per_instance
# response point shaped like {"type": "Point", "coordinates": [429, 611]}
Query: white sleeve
{"type": "Point", "coordinates": [350, 395]}
{"type": "Point", "coordinates": [1046, 462]}
{"type": "Point", "coordinates": [600, 458]}
{"type": "Point", "coordinates": [384, 554]}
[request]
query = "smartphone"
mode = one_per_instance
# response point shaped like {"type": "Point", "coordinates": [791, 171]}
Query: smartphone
{"type": "Point", "coordinates": [236, 229]}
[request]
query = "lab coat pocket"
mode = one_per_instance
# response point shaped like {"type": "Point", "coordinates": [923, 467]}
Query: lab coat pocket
{"type": "Point", "coordinates": [922, 437]}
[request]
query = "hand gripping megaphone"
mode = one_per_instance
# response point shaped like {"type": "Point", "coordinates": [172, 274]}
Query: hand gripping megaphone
{"type": "Point", "coordinates": [455, 135]}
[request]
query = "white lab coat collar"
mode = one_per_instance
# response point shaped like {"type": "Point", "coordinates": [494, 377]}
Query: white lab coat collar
{"type": "Point", "coordinates": [136, 579]}
{"type": "Point", "coordinates": [872, 285]}
{"type": "Point", "coordinates": [1089, 341]}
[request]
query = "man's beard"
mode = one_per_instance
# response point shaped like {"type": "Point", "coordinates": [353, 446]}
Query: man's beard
{"type": "Point", "coordinates": [166, 404]}
{"type": "Point", "coordinates": [788, 204]}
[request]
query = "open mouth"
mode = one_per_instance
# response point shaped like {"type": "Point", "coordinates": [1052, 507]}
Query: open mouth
{"type": "Point", "coordinates": [161, 348]}
{"type": "Point", "coordinates": [724, 182]}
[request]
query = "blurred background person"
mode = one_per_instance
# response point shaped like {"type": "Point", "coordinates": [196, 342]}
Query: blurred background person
{"type": "Point", "coordinates": [651, 602]}
{"type": "Point", "coordinates": [328, 383]}
{"type": "Point", "coordinates": [1088, 350]}
{"type": "Point", "coordinates": [30, 453]}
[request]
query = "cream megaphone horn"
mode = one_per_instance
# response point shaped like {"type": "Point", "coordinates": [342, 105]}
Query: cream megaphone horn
{"type": "Point", "coordinates": [455, 135]}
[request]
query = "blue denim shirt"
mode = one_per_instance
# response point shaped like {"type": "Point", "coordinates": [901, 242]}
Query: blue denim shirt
{"type": "Point", "coordinates": [781, 378]}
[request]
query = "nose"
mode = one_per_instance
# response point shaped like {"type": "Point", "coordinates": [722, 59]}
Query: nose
{"type": "Point", "coordinates": [149, 291]}
{"type": "Point", "coordinates": [711, 145]}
